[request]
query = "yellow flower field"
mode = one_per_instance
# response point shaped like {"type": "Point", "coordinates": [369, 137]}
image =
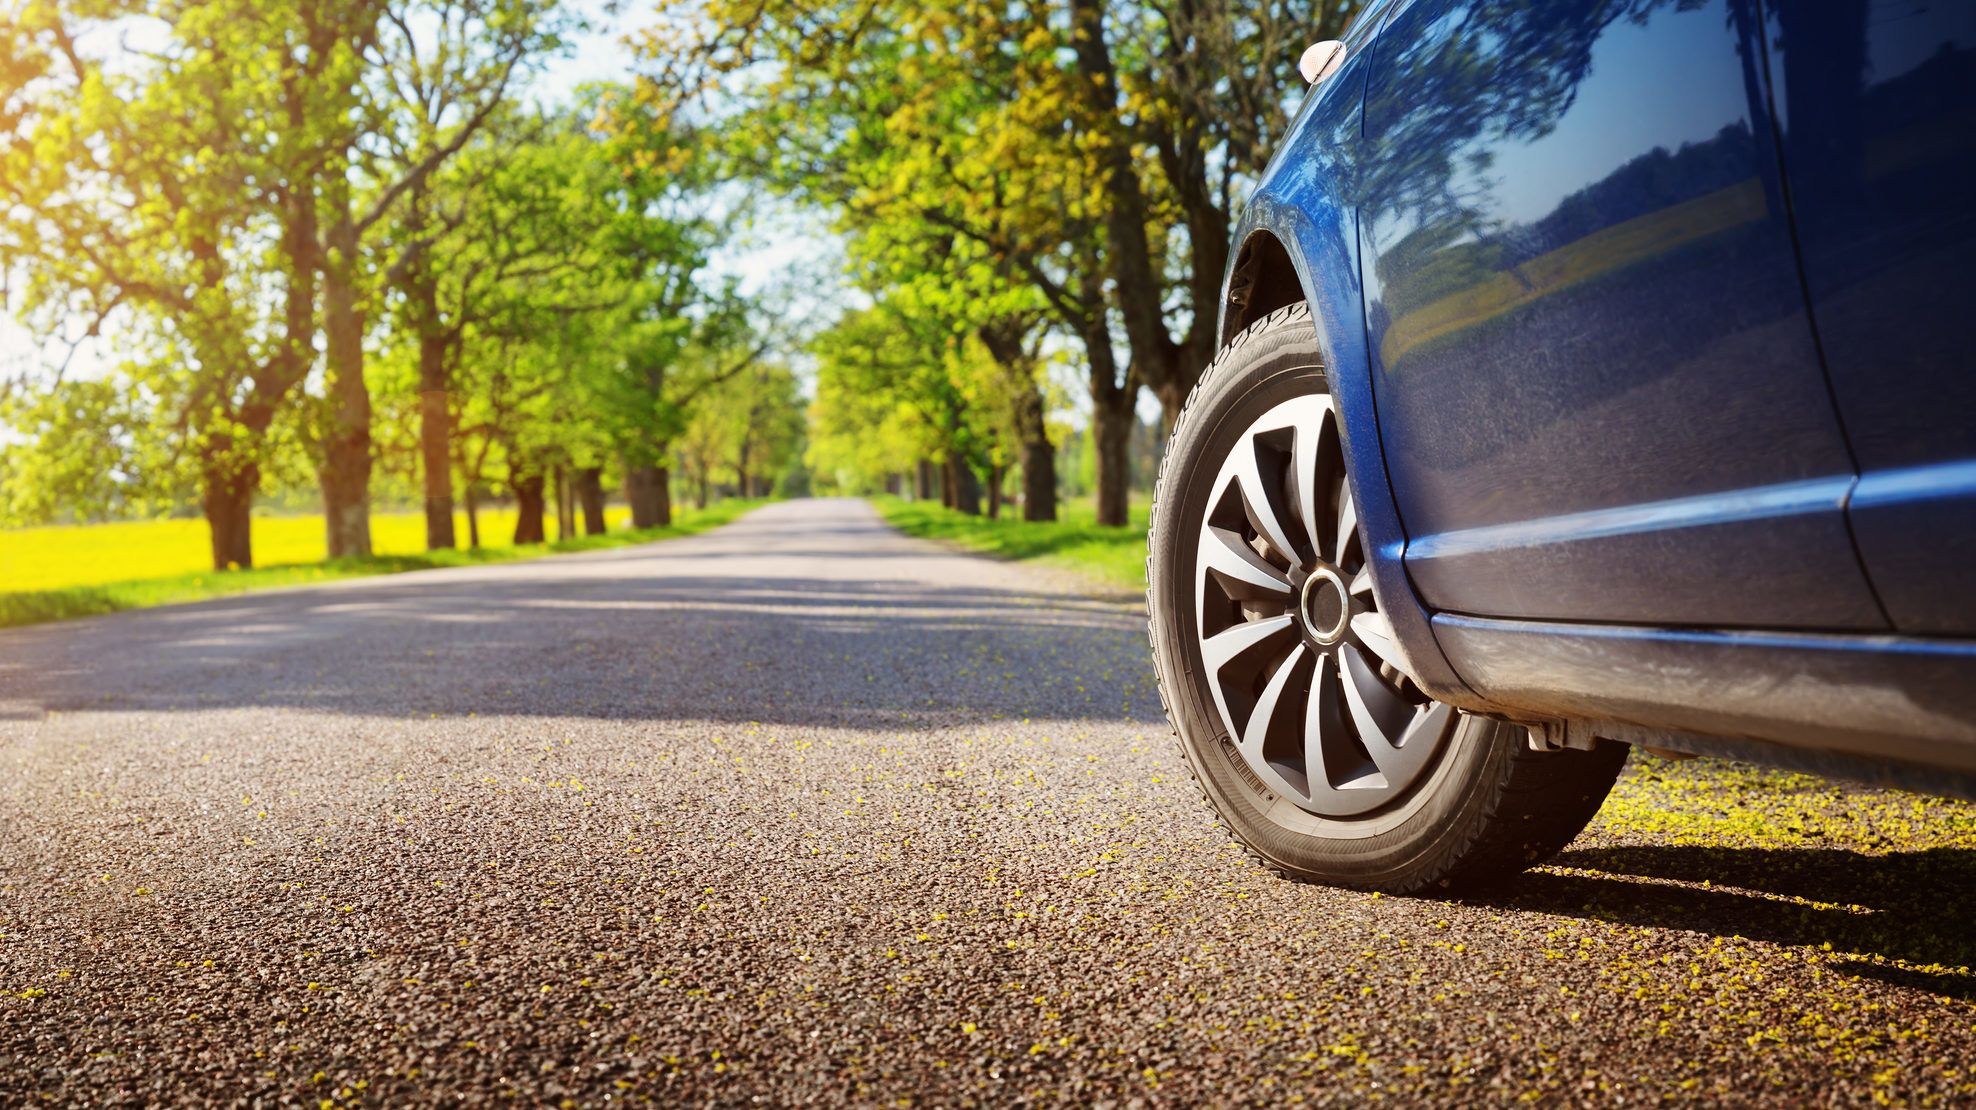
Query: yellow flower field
{"type": "Point", "coordinates": [49, 574]}
{"type": "Point", "coordinates": [97, 554]}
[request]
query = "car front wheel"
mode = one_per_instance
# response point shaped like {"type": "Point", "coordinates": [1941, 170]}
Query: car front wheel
{"type": "Point", "coordinates": [1279, 669]}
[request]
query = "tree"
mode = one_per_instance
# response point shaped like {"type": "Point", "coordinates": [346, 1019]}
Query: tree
{"type": "Point", "coordinates": [505, 224]}
{"type": "Point", "coordinates": [768, 427]}
{"type": "Point", "coordinates": [1094, 155]}
{"type": "Point", "coordinates": [1012, 342]}
{"type": "Point", "coordinates": [704, 448]}
{"type": "Point", "coordinates": [222, 194]}
{"type": "Point", "coordinates": [679, 332]}
{"type": "Point", "coordinates": [412, 82]}
{"type": "Point", "coordinates": [749, 428]}
{"type": "Point", "coordinates": [893, 391]}
{"type": "Point", "coordinates": [154, 189]}
{"type": "Point", "coordinates": [861, 430]}
{"type": "Point", "coordinates": [938, 134]}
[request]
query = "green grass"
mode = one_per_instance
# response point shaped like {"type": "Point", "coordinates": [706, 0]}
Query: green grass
{"type": "Point", "coordinates": [1115, 556]}
{"type": "Point", "coordinates": [83, 570]}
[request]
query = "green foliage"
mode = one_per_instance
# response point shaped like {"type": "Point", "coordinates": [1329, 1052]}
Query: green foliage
{"type": "Point", "coordinates": [915, 128]}
{"type": "Point", "coordinates": [86, 450]}
{"type": "Point", "coordinates": [747, 432]}
{"type": "Point", "coordinates": [672, 333]}
{"type": "Point", "coordinates": [305, 221]}
{"type": "Point", "coordinates": [884, 397]}
{"type": "Point", "coordinates": [1003, 169]}
{"type": "Point", "coordinates": [192, 192]}
{"type": "Point", "coordinates": [337, 249]}
{"type": "Point", "coordinates": [157, 193]}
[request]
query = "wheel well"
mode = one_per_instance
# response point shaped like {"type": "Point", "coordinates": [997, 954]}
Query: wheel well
{"type": "Point", "coordinates": [1263, 281]}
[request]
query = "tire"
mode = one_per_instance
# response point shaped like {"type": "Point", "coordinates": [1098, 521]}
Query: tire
{"type": "Point", "coordinates": [1305, 734]}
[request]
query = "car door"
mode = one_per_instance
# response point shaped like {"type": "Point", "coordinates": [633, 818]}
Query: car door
{"type": "Point", "coordinates": [1598, 389]}
{"type": "Point", "coordinates": [1877, 104]}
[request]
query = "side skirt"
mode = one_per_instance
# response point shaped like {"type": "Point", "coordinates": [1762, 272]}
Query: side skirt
{"type": "Point", "coordinates": [1847, 705]}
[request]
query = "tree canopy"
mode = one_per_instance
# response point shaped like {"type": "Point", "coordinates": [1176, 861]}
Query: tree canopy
{"type": "Point", "coordinates": [343, 254]}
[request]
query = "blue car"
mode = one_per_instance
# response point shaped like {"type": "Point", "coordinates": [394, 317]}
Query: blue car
{"type": "Point", "coordinates": [1596, 374]}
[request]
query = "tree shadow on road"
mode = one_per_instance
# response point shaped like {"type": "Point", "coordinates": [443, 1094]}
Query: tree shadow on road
{"type": "Point", "coordinates": [1905, 918]}
{"type": "Point", "coordinates": [588, 637]}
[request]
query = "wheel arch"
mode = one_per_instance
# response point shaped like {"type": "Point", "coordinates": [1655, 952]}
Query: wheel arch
{"type": "Point", "coordinates": [1261, 280]}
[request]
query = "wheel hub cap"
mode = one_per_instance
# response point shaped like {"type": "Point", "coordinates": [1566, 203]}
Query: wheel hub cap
{"type": "Point", "coordinates": [1324, 606]}
{"type": "Point", "coordinates": [1305, 674]}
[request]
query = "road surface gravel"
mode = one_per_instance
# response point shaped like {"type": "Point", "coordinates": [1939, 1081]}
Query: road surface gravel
{"type": "Point", "coordinates": [804, 811]}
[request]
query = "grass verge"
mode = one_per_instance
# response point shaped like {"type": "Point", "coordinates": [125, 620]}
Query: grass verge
{"type": "Point", "coordinates": [37, 606]}
{"type": "Point", "coordinates": [1114, 556]}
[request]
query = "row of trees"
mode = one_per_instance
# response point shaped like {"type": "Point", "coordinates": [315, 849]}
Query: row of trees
{"type": "Point", "coordinates": [1023, 183]}
{"type": "Point", "coordinates": [341, 251]}
{"type": "Point", "coordinates": [338, 248]}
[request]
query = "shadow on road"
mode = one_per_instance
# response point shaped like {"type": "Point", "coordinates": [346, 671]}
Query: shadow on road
{"type": "Point", "coordinates": [1916, 908]}
{"type": "Point", "coordinates": [631, 633]}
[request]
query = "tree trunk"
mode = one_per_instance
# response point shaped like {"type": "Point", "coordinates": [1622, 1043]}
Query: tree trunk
{"type": "Point", "coordinates": [1111, 429]}
{"type": "Point", "coordinates": [892, 484]}
{"type": "Point", "coordinates": [641, 485]}
{"type": "Point", "coordinates": [994, 491]}
{"type": "Point", "coordinates": [1172, 395]}
{"type": "Point", "coordinates": [1039, 457]}
{"type": "Point", "coordinates": [347, 440]}
{"type": "Point", "coordinates": [1132, 263]}
{"type": "Point", "coordinates": [649, 489]}
{"type": "Point", "coordinates": [1112, 402]}
{"type": "Point", "coordinates": [565, 506]}
{"type": "Point", "coordinates": [229, 497]}
{"type": "Point", "coordinates": [473, 517]}
{"type": "Point", "coordinates": [435, 444]}
{"type": "Point", "coordinates": [528, 507]}
{"type": "Point", "coordinates": [965, 487]}
{"type": "Point", "coordinates": [1039, 481]}
{"type": "Point", "coordinates": [419, 285]}
{"type": "Point", "coordinates": [1007, 341]}
{"type": "Point", "coordinates": [590, 494]}
{"type": "Point", "coordinates": [705, 483]}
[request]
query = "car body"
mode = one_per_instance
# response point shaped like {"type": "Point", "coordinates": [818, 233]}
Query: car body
{"type": "Point", "coordinates": [1650, 327]}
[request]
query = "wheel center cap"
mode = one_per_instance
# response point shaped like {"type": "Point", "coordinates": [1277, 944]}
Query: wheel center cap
{"type": "Point", "coordinates": [1325, 607]}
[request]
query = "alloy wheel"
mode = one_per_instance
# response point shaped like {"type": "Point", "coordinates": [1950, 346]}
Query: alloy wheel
{"type": "Point", "coordinates": [1301, 662]}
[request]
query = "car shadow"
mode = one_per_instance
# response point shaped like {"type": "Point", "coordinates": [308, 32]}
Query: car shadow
{"type": "Point", "coordinates": [1912, 910]}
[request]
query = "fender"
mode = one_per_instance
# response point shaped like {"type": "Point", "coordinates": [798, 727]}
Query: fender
{"type": "Point", "coordinates": [1298, 206]}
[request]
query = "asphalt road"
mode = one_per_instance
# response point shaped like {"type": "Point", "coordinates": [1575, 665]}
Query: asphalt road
{"type": "Point", "coordinates": [802, 810]}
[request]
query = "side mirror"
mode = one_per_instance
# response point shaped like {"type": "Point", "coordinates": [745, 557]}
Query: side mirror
{"type": "Point", "coordinates": [1321, 60]}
